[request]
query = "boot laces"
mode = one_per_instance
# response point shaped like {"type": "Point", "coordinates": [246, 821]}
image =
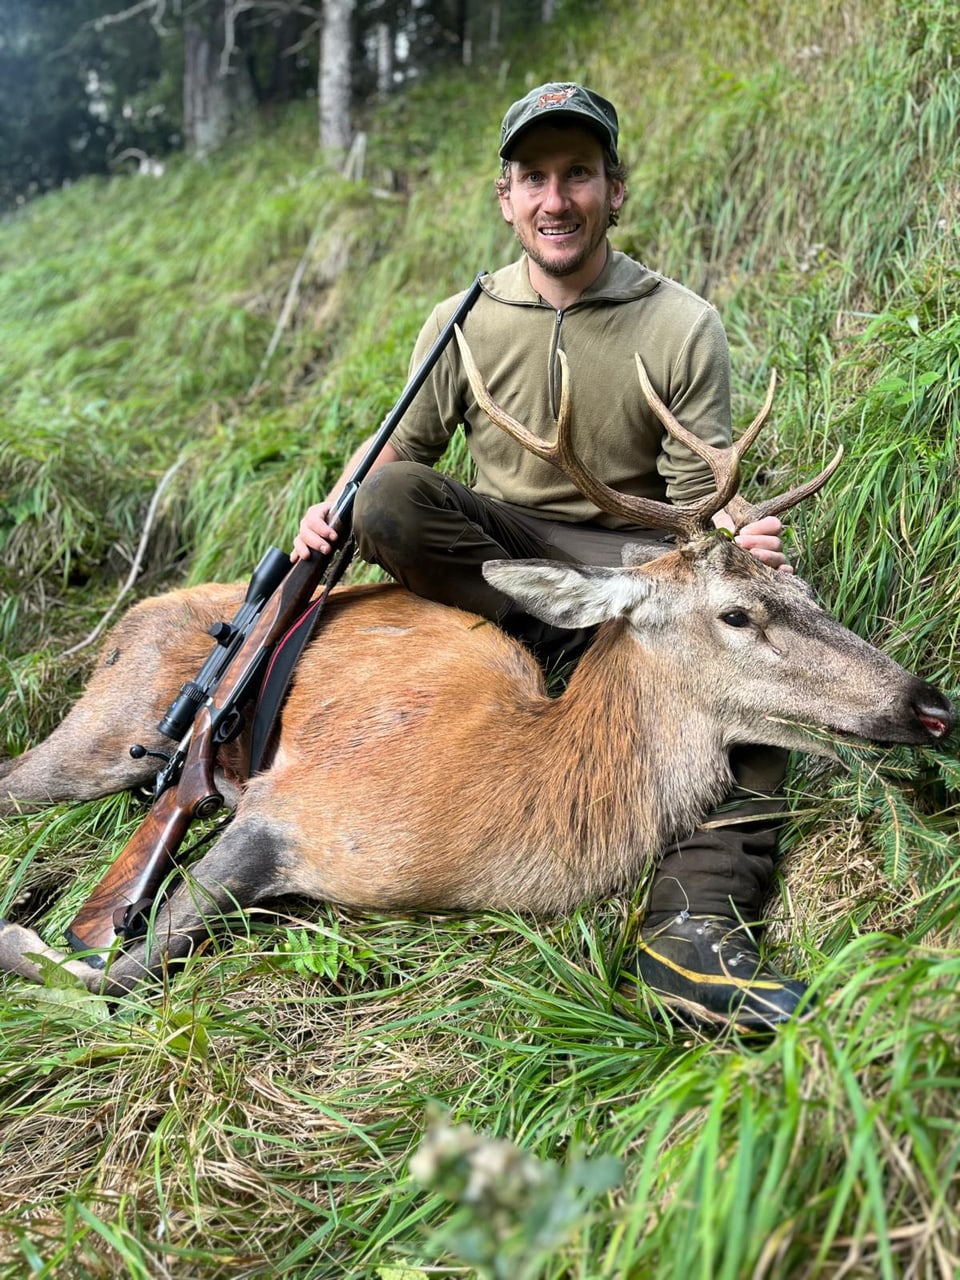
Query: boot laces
{"type": "Point", "coordinates": [730, 962]}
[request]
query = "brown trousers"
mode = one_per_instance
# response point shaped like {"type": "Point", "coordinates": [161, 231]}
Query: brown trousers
{"type": "Point", "coordinates": [432, 534]}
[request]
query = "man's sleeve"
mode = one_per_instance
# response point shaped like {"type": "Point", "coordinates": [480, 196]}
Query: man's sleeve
{"type": "Point", "coordinates": [431, 420]}
{"type": "Point", "coordinates": [700, 401]}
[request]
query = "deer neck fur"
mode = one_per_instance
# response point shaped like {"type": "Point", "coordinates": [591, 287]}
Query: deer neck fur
{"type": "Point", "coordinates": [605, 791]}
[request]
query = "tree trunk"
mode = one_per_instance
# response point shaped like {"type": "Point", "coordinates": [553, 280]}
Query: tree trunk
{"type": "Point", "coordinates": [494, 39]}
{"type": "Point", "coordinates": [216, 92]}
{"type": "Point", "coordinates": [385, 58]}
{"type": "Point", "coordinates": [336, 66]}
{"type": "Point", "coordinates": [464, 33]}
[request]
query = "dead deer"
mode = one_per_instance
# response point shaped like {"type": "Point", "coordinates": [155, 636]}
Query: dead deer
{"type": "Point", "coordinates": [421, 763]}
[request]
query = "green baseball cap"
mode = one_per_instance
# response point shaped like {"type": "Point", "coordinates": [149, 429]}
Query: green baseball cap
{"type": "Point", "coordinates": [566, 100]}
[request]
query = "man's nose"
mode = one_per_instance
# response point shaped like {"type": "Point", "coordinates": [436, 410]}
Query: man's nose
{"type": "Point", "coordinates": [555, 196]}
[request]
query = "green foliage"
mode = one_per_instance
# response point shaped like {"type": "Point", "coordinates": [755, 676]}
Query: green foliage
{"type": "Point", "coordinates": [893, 524]}
{"type": "Point", "coordinates": [512, 1211]}
{"type": "Point", "coordinates": [259, 1114]}
{"type": "Point", "coordinates": [323, 953]}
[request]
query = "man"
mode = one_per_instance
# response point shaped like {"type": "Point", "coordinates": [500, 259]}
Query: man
{"type": "Point", "coordinates": [561, 187]}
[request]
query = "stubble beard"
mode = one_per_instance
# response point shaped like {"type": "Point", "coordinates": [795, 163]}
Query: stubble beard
{"type": "Point", "coordinates": [569, 266]}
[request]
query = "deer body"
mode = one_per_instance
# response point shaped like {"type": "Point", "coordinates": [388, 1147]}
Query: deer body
{"type": "Point", "coordinates": [421, 763]}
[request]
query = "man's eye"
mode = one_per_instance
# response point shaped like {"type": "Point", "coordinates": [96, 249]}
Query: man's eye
{"type": "Point", "coordinates": [735, 618]}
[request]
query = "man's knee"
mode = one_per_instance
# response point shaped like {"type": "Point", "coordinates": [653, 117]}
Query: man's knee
{"type": "Point", "coordinates": [389, 507]}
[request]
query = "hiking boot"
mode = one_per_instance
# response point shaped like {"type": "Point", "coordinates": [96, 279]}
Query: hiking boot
{"type": "Point", "coordinates": [707, 969]}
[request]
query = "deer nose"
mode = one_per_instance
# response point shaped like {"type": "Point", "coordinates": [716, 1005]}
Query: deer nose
{"type": "Point", "coordinates": [935, 712]}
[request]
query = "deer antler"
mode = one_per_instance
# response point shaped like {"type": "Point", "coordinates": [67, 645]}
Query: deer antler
{"type": "Point", "coordinates": [725, 464]}
{"type": "Point", "coordinates": [689, 519]}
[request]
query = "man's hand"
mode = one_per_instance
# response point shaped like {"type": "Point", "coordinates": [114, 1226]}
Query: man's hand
{"type": "Point", "coordinates": [762, 539]}
{"type": "Point", "coordinates": [316, 533]}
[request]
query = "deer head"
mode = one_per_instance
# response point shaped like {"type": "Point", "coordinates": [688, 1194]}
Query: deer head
{"type": "Point", "coordinates": [751, 640]}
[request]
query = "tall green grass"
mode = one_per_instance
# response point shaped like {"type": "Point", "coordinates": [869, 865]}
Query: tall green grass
{"type": "Point", "coordinates": [257, 1114]}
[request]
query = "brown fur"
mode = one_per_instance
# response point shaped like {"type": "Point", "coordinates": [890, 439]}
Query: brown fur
{"type": "Point", "coordinates": [421, 763]}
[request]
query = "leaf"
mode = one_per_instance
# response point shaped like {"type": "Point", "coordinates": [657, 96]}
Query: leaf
{"type": "Point", "coordinates": [190, 1042]}
{"type": "Point", "coordinates": [56, 976]}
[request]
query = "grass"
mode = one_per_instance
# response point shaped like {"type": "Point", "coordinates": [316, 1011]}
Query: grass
{"type": "Point", "coordinates": [258, 1115]}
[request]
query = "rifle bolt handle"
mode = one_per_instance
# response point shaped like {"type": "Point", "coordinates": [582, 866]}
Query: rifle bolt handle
{"type": "Point", "coordinates": [138, 751]}
{"type": "Point", "coordinates": [222, 632]}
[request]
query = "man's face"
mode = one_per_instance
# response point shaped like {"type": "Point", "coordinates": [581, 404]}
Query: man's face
{"type": "Point", "coordinates": [559, 199]}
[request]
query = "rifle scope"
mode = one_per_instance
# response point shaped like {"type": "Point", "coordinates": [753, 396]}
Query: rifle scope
{"type": "Point", "coordinates": [229, 636]}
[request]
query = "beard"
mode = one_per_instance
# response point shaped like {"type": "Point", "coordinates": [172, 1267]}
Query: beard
{"type": "Point", "coordinates": [558, 267]}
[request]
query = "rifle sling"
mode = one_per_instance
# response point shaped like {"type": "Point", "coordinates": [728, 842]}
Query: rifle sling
{"type": "Point", "coordinates": [283, 660]}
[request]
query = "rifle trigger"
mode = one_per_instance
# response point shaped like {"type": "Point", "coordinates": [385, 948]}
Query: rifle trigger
{"type": "Point", "coordinates": [131, 921]}
{"type": "Point", "coordinates": [228, 727]}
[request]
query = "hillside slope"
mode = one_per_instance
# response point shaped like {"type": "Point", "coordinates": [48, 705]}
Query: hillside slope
{"type": "Point", "coordinates": [233, 329]}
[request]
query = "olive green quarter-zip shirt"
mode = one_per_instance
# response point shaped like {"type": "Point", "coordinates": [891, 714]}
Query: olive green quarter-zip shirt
{"type": "Point", "coordinates": [514, 336]}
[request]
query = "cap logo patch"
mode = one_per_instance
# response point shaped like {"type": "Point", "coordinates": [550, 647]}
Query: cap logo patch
{"type": "Point", "coordinates": [555, 99]}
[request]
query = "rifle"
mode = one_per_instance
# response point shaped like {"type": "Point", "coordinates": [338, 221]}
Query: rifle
{"type": "Point", "coordinates": [209, 710]}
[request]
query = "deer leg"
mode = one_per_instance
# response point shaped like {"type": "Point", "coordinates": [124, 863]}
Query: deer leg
{"type": "Point", "coordinates": [242, 868]}
{"type": "Point", "coordinates": [53, 772]}
{"type": "Point", "coordinates": [158, 645]}
{"type": "Point", "coordinates": [19, 946]}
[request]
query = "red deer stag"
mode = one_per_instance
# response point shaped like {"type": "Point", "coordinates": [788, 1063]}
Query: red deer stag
{"type": "Point", "coordinates": [421, 763]}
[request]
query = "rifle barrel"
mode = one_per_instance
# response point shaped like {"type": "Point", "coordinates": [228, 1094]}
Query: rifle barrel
{"type": "Point", "coordinates": [279, 592]}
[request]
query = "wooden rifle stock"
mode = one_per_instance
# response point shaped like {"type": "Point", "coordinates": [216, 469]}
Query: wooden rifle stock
{"type": "Point", "coordinates": [147, 859]}
{"type": "Point", "coordinates": [185, 787]}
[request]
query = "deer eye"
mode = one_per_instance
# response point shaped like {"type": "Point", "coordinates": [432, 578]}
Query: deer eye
{"type": "Point", "coordinates": [735, 618]}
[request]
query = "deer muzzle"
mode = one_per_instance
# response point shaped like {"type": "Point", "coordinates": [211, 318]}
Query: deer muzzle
{"type": "Point", "coordinates": [934, 712]}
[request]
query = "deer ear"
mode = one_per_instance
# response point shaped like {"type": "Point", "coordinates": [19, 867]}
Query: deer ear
{"type": "Point", "coordinates": [568, 595]}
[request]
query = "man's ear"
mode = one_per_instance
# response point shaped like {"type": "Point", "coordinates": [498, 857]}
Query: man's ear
{"type": "Point", "coordinates": [503, 195]}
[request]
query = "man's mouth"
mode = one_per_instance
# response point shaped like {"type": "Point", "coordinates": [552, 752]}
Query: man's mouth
{"type": "Point", "coordinates": [566, 229]}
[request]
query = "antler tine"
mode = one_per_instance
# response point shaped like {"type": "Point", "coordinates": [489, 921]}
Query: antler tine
{"type": "Point", "coordinates": [743, 512]}
{"type": "Point", "coordinates": [516, 430]}
{"type": "Point", "coordinates": [724, 463]}
{"type": "Point", "coordinates": [643, 511]}
{"type": "Point", "coordinates": [746, 440]}
{"type": "Point", "coordinates": [638, 510]}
